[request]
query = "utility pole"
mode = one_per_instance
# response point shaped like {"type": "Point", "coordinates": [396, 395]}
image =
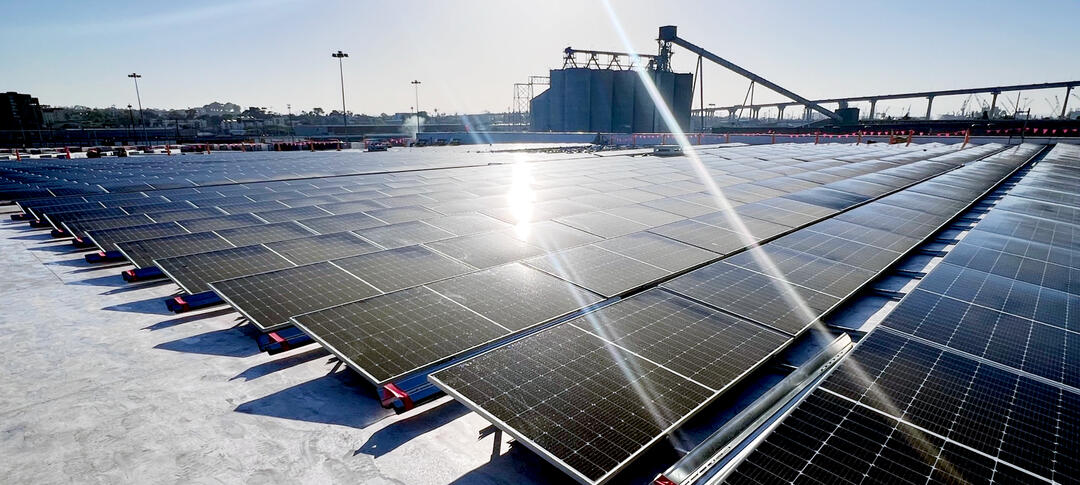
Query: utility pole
{"type": "Point", "coordinates": [416, 92]}
{"type": "Point", "coordinates": [344, 118]}
{"type": "Point", "coordinates": [138, 98]}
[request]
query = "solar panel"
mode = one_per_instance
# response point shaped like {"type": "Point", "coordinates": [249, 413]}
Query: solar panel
{"type": "Point", "coordinates": [343, 222]}
{"type": "Point", "coordinates": [486, 249]}
{"type": "Point", "coordinates": [669, 254]}
{"type": "Point", "coordinates": [405, 267]}
{"type": "Point", "coordinates": [828, 439]}
{"type": "Point", "coordinates": [221, 222]}
{"type": "Point", "coordinates": [1010, 340]}
{"type": "Point", "coordinates": [754, 296]}
{"type": "Point", "coordinates": [82, 226]}
{"type": "Point", "coordinates": [832, 199]}
{"type": "Point", "coordinates": [467, 224]}
{"type": "Point", "coordinates": [403, 234]}
{"type": "Point", "coordinates": [830, 276]}
{"type": "Point", "coordinates": [1018, 420]}
{"type": "Point", "coordinates": [600, 270]}
{"type": "Point", "coordinates": [391, 335]}
{"type": "Point", "coordinates": [184, 214]}
{"type": "Point", "coordinates": [292, 214]}
{"type": "Point", "coordinates": [314, 249]}
{"type": "Point", "coordinates": [265, 233]}
{"type": "Point", "coordinates": [702, 235]}
{"type": "Point", "coordinates": [514, 295]}
{"type": "Point", "coordinates": [142, 253]}
{"type": "Point", "coordinates": [602, 224]}
{"type": "Point", "coordinates": [246, 207]}
{"type": "Point", "coordinates": [106, 239]}
{"type": "Point", "coordinates": [195, 272]}
{"type": "Point", "coordinates": [395, 215]}
{"type": "Point", "coordinates": [57, 218]}
{"type": "Point", "coordinates": [592, 393]}
{"type": "Point", "coordinates": [269, 299]}
{"type": "Point", "coordinates": [550, 235]}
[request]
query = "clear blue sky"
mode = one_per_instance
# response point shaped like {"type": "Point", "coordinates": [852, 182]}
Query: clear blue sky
{"type": "Point", "coordinates": [469, 53]}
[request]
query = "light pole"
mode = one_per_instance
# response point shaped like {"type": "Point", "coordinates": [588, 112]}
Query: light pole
{"type": "Point", "coordinates": [138, 98]}
{"type": "Point", "coordinates": [344, 119]}
{"type": "Point", "coordinates": [416, 93]}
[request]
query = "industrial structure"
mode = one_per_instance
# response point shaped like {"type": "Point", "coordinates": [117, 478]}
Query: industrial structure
{"type": "Point", "coordinates": [611, 97]}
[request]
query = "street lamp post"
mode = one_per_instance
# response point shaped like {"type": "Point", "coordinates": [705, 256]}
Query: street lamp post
{"type": "Point", "coordinates": [138, 98]}
{"type": "Point", "coordinates": [132, 116]}
{"type": "Point", "coordinates": [344, 119]}
{"type": "Point", "coordinates": [416, 93]}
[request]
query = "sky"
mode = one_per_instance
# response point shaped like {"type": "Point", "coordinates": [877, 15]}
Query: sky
{"type": "Point", "coordinates": [469, 53]}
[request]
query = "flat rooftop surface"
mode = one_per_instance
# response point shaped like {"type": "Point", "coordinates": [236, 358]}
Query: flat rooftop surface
{"type": "Point", "coordinates": [104, 385]}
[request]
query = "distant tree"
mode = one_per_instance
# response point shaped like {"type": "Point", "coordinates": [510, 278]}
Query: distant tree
{"type": "Point", "coordinates": [317, 111]}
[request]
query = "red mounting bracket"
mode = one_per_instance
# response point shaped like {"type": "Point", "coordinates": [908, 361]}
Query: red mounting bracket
{"type": "Point", "coordinates": [391, 393]}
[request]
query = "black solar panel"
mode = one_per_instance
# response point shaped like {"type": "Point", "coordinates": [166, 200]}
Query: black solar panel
{"type": "Point", "coordinates": [264, 233]}
{"type": "Point", "coordinates": [600, 270]}
{"type": "Point", "coordinates": [466, 224]}
{"type": "Point", "coordinates": [387, 336]}
{"type": "Point", "coordinates": [106, 239]}
{"type": "Point", "coordinates": [143, 252]}
{"type": "Point", "coordinates": [405, 267]}
{"type": "Point", "coordinates": [560, 363]}
{"type": "Point", "coordinates": [343, 222]}
{"type": "Point", "coordinates": [515, 296]}
{"type": "Point", "coordinates": [403, 234]}
{"type": "Point", "coordinates": [753, 295]}
{"type": "Point", "coordinates": [1020, 343]}
{"type": "Point", "coordinates": [185, 214]}
{"type": "Point", "coordinates": [270, 299]}
{"type": "Point", "coordinates": [486, 249]}
{"type": "Point", "coordinates": [195, 272]}
{"type": "Point", "coordinates": [82, 226]}
{"type": "Point", "coordinates": [659, 251]}
{"type": "Point", "coordinates": [1015, 419]}
{"type": "Point", "coordinates": [594, 392]}
{"type": "Point", "coordinates": [293, 214]}
{"type": "Point", "coordinates": [829, 439]}
{"type": "Point", "coordinates": [221, 222]}
{"type": "Point", "coordinates": [314, 249]}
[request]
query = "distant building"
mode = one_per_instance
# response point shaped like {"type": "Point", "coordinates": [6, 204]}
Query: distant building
{"type": "Point", "coordinates": [20, 112]}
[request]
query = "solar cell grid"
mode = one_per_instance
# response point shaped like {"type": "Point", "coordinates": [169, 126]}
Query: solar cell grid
{"type": "Point", "coordinates": [270, 299]}
{"type": "Point", "coordinates": [600, 270]}
{"type": "Point", "coordinates": [1018, 420]}
{"type": "Point", "coordinates": [195, 272]}
{"type": "Point", "coordinates": [106, 239]}
{"type": "Point", "coordinates": [405, 267]}
{"type": "Point", "coordinates": [753, 295]}
{"type": "Point", "coordinates": [538, 387]}
{"type": "Point", "coordinates": [325, 247]}
{"type": "Point", "coordinates": [342, 222]}
{"type": "Point", "coordinates": [514, 295]}
{"type": "Point", "coordinates": [142, 253]}
{"type": "Point", "coordinates": [1020, 343]}
{"type": "Point", "coordinates": [82, 226]}
{"type": "Point", "coordinates": [265, 233]}
{"type": "Point", "coordinates": [486, 249]}
{"type": "Point", "coordinates": [390, 335]}
{"type": "Point", "coordinates": [220, 222]}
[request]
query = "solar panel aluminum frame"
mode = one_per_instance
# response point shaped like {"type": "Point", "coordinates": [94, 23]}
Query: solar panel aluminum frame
{"type": "Point", "coordinates": [431, 367]}
{"type": "Point", "coordinates": [551, 458]}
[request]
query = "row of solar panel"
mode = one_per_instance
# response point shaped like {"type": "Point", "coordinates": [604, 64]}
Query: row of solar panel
{"type": "Point", "coordinates": [973, 377]}
{"type": "Point", "coordinates": [565, 409]}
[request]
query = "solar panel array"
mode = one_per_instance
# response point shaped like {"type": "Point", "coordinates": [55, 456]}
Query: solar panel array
{"type": "Point", "coordinates": [973, 377]}
{"type": "Point", "coordinates": [774, 292]}
{"type": "Point", "coordinates": [398, 272]}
